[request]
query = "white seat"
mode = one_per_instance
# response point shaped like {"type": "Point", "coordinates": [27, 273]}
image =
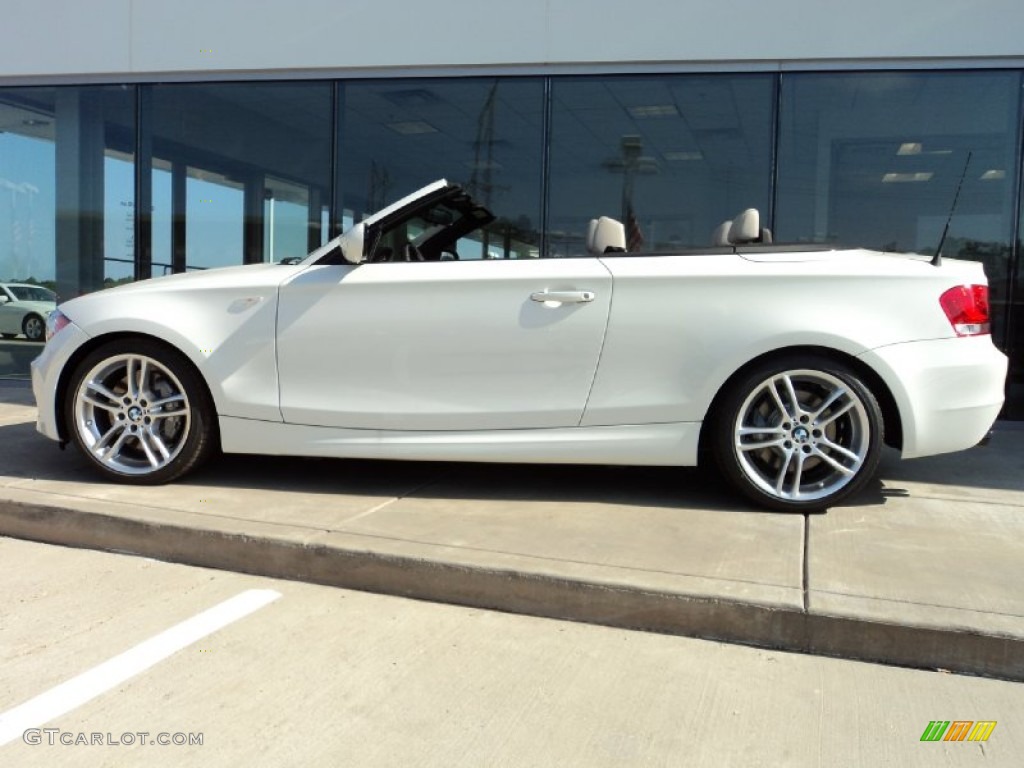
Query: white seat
{"type": "Point", "coordinates": [746, 227]}
{"type": "Point", "coordinates": [743, 230]}
{"type": "Point", "coordinates": [605, 235]}
{"type": "Point", "coordinates": [721, 234]}
{"type": "Point", "coordinates": [591, 231]}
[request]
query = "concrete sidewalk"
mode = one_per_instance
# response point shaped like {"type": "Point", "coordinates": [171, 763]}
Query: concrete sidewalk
{"type": "Point", "coordinates": [926, 569]}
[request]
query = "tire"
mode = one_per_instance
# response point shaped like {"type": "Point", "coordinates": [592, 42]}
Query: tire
{"type": "Point", "coordinates": [34, 328]}
{"type": "Point", "coordinates": [798, 433]}
{"type": "Point", "coordinates": [140, 412]}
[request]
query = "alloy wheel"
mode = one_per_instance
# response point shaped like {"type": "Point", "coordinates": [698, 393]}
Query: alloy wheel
{"type": "Point", "coordinates": [132, 414]}
{"type": "Point", "coordinates": [802, 435]}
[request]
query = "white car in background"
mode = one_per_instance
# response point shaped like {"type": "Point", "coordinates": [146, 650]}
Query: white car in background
{"type": "Point", "coordinates": [24, 309]}
{"type": "Point", "coordinates": [789, 366]}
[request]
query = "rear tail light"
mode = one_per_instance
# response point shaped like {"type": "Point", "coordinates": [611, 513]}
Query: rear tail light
{"type": "Point", "coordinates": [966, 306]}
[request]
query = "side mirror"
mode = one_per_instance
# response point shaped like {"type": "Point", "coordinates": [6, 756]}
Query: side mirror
{"type": "Point", "coordinates": [353, 245]}
{"type": "Point", "coordinates": [4, 298]}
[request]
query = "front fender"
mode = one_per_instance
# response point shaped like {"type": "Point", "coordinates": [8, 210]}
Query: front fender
{"type": "Point", "coordinates": [229, 337]}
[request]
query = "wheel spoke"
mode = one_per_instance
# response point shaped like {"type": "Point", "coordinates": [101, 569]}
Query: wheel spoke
{"type": "Point", "coordinates": [833, 463]}
{"type": "Point", "coordinates": [129, 377]}
{"type": "Point", "coordinates": [839, 449]}
{"type": "Point", "coordinates": [836, 414]}
{"type": "Point", "coordinates": [798, 474]}
{"type": "Point", "coordinates": [111, 452]}
{"type": "Point", "coordinates": [101, 444]}
{"type": "Point", "coordinates": [780, 479]}
{"type": "Point", "coordinates": [95, 386]}
{"type": "Point", "coordinates": [99, 403]}
{"type": "Point", "coordinates": [744, 431]}
{"type": "Point", "coordinates": [777, 439]}
{"type": "Point", "coordinates": [776, 443]}
{"type": "Point", "coordinates": [154, 438]}
{"type": "Point", "coordinates": [177, 399]}
{"type": "Point", "coordinates": [144, 442]}
{"type": "Point", "coordinates": [783, 412]}
{"type": "Point", "coordinates": [791, 391]}
{"type": "Point", "coordinates": [836, 394]}
{"type": "Point", "coordinates": [142, 388]}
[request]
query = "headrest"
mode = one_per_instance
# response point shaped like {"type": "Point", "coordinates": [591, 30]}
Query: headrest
{"type": "Point", "coordinates": [588, 243]}
{"type": "Point", "coordinates": [721, 234]}
{"type": "Point", "coordinates": [746, 228]}
{"type": "Point", "coordinates": [605, 235]}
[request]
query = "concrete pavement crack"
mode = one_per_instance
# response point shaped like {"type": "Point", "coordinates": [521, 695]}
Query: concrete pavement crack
{"type": "Point", "coordinates": [804, 576]}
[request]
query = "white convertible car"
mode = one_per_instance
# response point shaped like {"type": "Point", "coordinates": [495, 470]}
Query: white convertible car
{"type": "Point", "coordinates": [789, 366]}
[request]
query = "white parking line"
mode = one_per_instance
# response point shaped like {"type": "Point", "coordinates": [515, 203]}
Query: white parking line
{"type": "Point", "coordinates": [90, 684]}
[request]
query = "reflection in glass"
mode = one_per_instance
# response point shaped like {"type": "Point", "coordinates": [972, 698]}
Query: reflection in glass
{"type": "Point", "coordinates": [161, 219]}
{"type": "Point", "coordinates": [286, 212]}
{"type": "Point", "coordinates": [875, 159]}
{"type": "Point", "coordinates": [118, 219]}
{"type": "Point", "coordinates": [484, 134]}
{"type": "Point", "coordinates": [1015, 334]}
{"type": "Point", "coordinates": [669, 156]}
{"type": "Point", "coordinates": [214, 220]}
{"type": "Point", "coordinates": [67, 197]}
{"type": "Point", "coordinates": [26, 205]}
{"type": "Point", "coordinates": [240, 172]}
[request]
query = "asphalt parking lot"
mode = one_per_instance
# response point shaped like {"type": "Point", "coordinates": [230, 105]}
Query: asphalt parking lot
{"type": "Point", "coordinates": [15, 355]}
{"type": "Point", "coordinates": [923, 570]}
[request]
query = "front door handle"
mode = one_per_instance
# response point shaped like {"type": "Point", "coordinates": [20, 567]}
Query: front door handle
{"type": "Point", "coordinates": [562, 297]}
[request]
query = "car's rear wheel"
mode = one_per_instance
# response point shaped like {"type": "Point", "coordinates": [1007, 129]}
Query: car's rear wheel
{"type": "Point", "coordinates": [798, 434]}
{"type": "Point", "coordinates": [140, 412]}
{"type": "Point", "coordinates": [34, 327]}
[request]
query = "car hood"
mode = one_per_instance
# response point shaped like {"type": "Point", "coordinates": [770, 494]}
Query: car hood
{"type": "Point", "coordinates": [242, 277]}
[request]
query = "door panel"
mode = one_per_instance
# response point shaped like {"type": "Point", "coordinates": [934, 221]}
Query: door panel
{"type": "Point", "coordinates": [10, 318]}
{"type": "Point", "coordinates": [455, 345]}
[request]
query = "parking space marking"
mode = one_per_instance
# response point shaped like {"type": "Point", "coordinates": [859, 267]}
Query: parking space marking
{"type": "Point", "coordinates": [78, 690]}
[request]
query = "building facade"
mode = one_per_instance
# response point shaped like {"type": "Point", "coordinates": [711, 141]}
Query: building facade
{"type": "Point", "coordinates": [141, 138]}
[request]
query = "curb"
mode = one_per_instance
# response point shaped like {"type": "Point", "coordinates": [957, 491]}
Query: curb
{"type": "Point", "coordinates": [524, 593]}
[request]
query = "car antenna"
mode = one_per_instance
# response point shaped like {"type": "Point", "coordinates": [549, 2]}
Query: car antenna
{"type": "Point", "coordinates": [937, 258]}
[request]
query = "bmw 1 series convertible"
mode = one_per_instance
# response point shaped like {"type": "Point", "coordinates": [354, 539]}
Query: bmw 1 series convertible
{"type": "Point", "coordinates": [788, 366]}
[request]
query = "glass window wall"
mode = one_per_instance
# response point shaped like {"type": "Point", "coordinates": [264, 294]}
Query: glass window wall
{"type": "Point", "coordinates": [1015, 331]}
{"type": "Point", "coordinates": [67, 201]}
{"type": "Point", "coordinates": [485, 134]}
{"type": "Point", "coordinates": [669, 156]}
{"type": "Point", "coordinates": [875, 160]}
{"type": "Point", "coordinates": [238, 172]}
{"type": "Point", "coordinates": [229, 173]}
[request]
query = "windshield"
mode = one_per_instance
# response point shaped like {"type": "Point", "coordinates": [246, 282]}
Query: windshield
{"type": "Point", "coordinates": [32, 293]}
{"type": "Point", "coordinates": [450, 228]}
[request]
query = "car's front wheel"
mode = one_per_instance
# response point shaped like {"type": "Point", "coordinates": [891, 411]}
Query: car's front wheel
{"type": "Point", "coordinates": [798, 434]}
{"type": "Point", "coordinates": [34, 327]}
{"type": "Point", "coordinates": [140, 412]}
